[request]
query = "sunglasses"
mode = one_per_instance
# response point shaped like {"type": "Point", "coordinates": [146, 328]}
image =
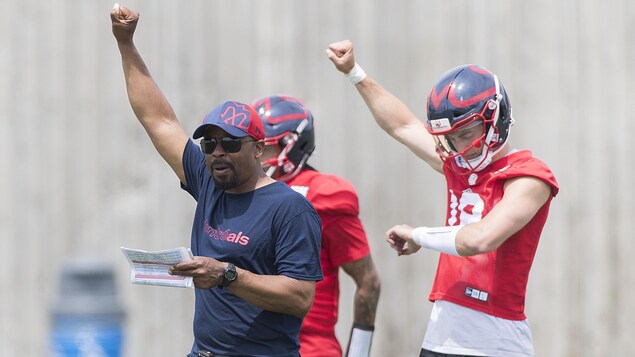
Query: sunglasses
{"type": "Point", "coordinates": [229, 145]}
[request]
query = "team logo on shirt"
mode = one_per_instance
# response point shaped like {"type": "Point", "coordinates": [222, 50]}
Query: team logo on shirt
{"type": "Point", "coordinates": [226, 235]}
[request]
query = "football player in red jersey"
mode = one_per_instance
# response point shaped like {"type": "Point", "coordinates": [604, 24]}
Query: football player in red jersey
{"type": "Point", "coordinates": [289, 141]}
{"type": "Point", "coordinates": [498, 202]}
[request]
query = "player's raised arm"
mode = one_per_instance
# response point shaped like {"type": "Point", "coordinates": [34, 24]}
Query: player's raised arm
{"type": "Point", "coordinates": [390, 113]}
{"type": "Point", "coordinates": [147, 101]}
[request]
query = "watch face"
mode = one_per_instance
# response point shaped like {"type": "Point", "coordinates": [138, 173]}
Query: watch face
{"type": "Point", "coordinates": [230, 273]}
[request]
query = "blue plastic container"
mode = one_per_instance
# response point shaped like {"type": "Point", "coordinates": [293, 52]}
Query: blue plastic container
{"type": "Point", "coordinates": [86, 317]}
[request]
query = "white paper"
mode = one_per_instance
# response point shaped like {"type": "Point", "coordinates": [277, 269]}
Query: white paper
{"type": "Point", "coordinates": [151, 268]}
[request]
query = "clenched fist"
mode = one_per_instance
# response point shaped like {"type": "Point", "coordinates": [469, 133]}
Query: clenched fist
{"type": "Point", "coordinates": [341, 54]}
{"type": "Point", "coordinates": [124, 22]}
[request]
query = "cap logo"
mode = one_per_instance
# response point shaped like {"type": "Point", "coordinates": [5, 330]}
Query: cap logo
{"type": "Point", "coordinates": [236, 115]}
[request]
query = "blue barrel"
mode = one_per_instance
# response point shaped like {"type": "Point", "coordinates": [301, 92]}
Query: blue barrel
{"type": "Point", "coordinates": [86, 316]}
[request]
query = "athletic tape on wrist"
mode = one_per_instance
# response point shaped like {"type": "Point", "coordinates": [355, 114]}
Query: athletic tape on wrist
{"type": "Point", "coordinates": [356, 74]}
{"type": "Point", "coordinates": [441, 239]}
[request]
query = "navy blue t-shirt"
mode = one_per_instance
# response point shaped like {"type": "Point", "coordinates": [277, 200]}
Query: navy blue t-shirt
{"type": "Point", "coordinates": [272, 230]}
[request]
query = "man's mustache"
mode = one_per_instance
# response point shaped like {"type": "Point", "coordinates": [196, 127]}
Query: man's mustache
{"type": "Point", "coordinates": [222, 162]}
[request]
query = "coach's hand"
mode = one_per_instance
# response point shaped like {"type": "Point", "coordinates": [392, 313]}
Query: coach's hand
{"type": "Point", "coordinates": [124, 22]}
{"type": "Point", "coordinates": [207, 272]}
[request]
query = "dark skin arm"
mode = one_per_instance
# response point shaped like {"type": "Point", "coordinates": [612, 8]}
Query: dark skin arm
{"type": "Point", "coordinates": [149, 104]}
{"type": "Point", "coordinates": [368, 287]}
{"type": "Point", "coordinates": [276, 293]}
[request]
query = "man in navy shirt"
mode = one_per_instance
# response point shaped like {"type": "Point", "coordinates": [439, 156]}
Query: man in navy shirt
{"type": "Point", "coordinates": [256, 241]}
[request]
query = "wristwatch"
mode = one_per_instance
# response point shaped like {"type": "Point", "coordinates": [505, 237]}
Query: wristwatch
{"type": "Point", "coordinates": [229, 275]}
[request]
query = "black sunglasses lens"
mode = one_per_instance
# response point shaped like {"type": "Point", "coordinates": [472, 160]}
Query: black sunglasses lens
{"type": "Point", "coordinates": [208, 145]}
{"type": "Point", "coordinates": [231, 145]}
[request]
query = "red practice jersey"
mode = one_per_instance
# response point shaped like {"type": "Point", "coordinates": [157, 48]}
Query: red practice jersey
{"type": "Point", "coordinates": [494, 283]}
{"type": "Point", "coordinates": [343, 240]}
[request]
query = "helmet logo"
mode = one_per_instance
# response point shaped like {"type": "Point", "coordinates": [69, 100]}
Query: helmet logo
{"type": "Point", "coordinates": [435, 98]}
{"type": "Point", "coordinates": [442, 124]}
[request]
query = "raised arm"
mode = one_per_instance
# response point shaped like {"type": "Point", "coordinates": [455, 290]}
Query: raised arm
{"type": "Point", "coordinates": [147, 101]}
{"type": "Point", "coordinates": [390, 113]}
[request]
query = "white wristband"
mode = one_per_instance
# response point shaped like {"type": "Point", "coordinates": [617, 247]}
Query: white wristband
{"type": "Point", "coordinates": [356, 74]}
{"type": "Point", "coordinates": [359, 343]}
{"type": "Point", "coordinates": [442, 239]}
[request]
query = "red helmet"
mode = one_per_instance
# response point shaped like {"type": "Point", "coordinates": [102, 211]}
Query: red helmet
{"type": "Point", "coordinates": [464, 97]}
{"type": "Point", "coordinates": [289, 124]}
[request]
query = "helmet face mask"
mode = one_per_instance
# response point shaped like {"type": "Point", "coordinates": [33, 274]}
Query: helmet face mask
{"type": "Point", "coordinates": [463, 98]}
{"type": "Point", "coordinates": [289, 128]}
{"type": "Point", "coordinates": [270, 157]}
{"type": "Point", "coordinates": [454, 142]}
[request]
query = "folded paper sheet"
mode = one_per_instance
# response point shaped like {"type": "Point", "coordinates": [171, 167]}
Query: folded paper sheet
{"type": "Point", "coordinates": [151, 268]}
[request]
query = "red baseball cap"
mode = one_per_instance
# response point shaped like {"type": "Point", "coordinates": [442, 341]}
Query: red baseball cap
{"type": "Point", "coordinates": [237, 119]}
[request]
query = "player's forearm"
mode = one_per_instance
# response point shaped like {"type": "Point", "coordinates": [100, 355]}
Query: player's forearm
{"type": "Point", "coordinates": [365, 302]}
{"type": "Point", "coordinates": [276, 293]}
{"type": "Point", "coordinates": [361, 337]}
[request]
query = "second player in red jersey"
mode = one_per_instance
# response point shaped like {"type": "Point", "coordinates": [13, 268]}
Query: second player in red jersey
{"type": "Point", "coordinates": [289, 143]}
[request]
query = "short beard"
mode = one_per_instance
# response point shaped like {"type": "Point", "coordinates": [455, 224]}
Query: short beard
{"type": "Point", "coordinates": [226, 184]}
{"type": "Point", "coordinates": [229, 182]}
